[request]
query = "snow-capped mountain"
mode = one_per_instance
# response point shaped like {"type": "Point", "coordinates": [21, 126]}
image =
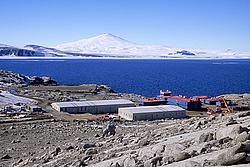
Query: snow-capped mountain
{"type": "Point", "coordinates": [101, 43]}
{"type": "Point", "coordinates": [110, 46]}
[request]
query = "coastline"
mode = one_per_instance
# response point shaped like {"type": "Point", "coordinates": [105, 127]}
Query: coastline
{"type": "Point", "coordinates": [123, 58]}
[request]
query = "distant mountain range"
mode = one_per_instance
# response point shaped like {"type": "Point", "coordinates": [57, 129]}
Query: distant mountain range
{"type": "Point", "coordinates": [110, 46]}
{"type": "Point", "coordinates": [37, 51]}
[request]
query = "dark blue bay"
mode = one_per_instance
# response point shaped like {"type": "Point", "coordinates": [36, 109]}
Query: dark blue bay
{"type": "Point", "coordinates": [146, 77]}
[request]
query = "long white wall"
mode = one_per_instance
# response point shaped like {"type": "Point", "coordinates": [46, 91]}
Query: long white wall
{"type": "Point", "coordinates": [128, 115]}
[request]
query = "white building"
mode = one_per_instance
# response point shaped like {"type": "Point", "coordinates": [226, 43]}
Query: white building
{"type": "Point", "coordinates": [94, 107]}
{"type": "Point", "coordinates": [151, 112]}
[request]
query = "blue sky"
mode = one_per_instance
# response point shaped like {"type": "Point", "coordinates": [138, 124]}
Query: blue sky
{"type": "Point", "coordinates": [205, 24]}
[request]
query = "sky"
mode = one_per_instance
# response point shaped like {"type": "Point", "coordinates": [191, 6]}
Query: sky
{"type": "Point", "coordinates": [199, 24]}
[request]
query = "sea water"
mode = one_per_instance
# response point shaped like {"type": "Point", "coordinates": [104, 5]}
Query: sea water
{"type": "Point", "coordinates": [145, 77]}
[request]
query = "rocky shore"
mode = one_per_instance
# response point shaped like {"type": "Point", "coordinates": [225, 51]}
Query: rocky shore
{"type": "Point", "coordinates": [8, 78]}
{"type": "Point", "coordinates": [46, 89]}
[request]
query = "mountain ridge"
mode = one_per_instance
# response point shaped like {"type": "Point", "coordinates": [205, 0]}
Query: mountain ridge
{"type": "Point", "coordinates": [111, 46]}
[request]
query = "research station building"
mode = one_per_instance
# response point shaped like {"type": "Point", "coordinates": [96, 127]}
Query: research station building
{"type": "Point", "coordinates": [183, 102]}
{"type": "Point", "coordinates": [152, 112]}
{"type": "Point", "coordinates": [93, 107]}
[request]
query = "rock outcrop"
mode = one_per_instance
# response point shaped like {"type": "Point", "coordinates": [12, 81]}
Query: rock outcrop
{"type": "Point", "coordinates": [8, 78]}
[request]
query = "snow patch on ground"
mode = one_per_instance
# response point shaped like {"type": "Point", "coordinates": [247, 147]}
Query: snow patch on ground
{"type": "Point", "coordinates": [6, 98]}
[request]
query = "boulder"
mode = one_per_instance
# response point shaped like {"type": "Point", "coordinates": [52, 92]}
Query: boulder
{"type": "Point", "coordinates": [244, 114]}
{"type": "Point", "coordinates": [197, 125]}
{"type": "Point", "coordinates": [181, 156]}
{"type": "Point", "coordinates": [129, 162]}
{"type": "Point", "coordinates": [146, 153]}
{"type": "Point", "coordinates": [204, 122]}
{"type": "Point", "coordinates": [193, 153]}
{"type": "Point", "coordinates": [233, 156]}
{"type": "Point", "coordinates": [205, 137]}
{"type": "Point", "coordinates": [69, 148]}
{"type": "Point", "coordinates": [56, 151]}
{"type": "Point", "coordinates": [6, 156]}
{"type": "Point", "coordinates": [231, 131]}
{"type": "Point", "coordinates": [201, 148]}
{"type": "Point", "coordinates": [193, 164]}
{"type": "Point", "coordinates": [143, 142]}
{"type": "Point", "coordinates": [247, 160]}
{"type": "Point", "coordinates": [168, 160]}
{"type": "Point", "coordinates": [225, 140]}
{"type": "Point", "coordinates": [153, 162]}
{"type": "Point", "coordinates": [88, 145]}
{"type": "Point", "coordinates": [242, 137]}
{"type": "Point", "coordinates": [12, 127]}
{"type": "Point", "coordinates": [231, 121]}
{"type": "Point", "coordinates": [91, 151]}
{"type": "Point", "coordinates": [115, 164]}
{"type": "Point", "coordinates": [247, 146]}
{"type": "Point", "coordinates": [173, 149]}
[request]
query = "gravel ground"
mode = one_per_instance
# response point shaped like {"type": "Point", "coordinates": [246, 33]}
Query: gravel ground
{"type": "Point", "coordinates": [164, 142]}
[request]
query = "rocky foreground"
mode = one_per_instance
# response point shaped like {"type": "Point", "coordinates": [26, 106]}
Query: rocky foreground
{"type": "Point", "coordinates": [209, 141]}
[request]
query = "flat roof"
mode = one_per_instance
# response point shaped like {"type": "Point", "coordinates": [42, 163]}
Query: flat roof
{"type": "Point", "coordinates": [147, 109]}
{"type": "Point", "coordinates": [92, 103]}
